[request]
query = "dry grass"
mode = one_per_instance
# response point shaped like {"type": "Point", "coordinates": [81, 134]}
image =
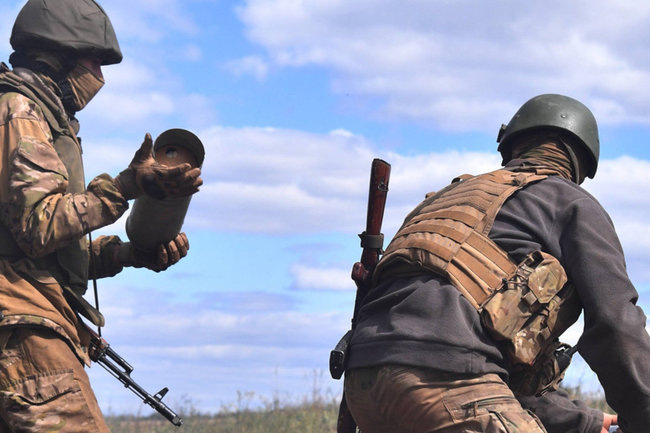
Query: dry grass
{"type": "Point", "coordinates": [592, 399]}
{"type": "Point", "coordinates": [315, 414]}
{"type": "Point", "coordinates": [305, 419]}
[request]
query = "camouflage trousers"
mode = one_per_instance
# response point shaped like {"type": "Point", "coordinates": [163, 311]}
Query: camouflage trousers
{"type": "Point", "coordinates": [43, 385]}
{"type": "Point", "coordinates": [400, 399]}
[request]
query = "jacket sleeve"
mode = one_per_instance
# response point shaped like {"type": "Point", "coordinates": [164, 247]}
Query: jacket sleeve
{"type": "Point", "coordinates": [614, 342]}
{"type": "Point", "coordinates": [34, 203]}
{"type": "Point", "coordinates": [560, 414]}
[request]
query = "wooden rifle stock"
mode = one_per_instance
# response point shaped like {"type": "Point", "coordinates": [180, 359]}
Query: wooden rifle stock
{"type": "Point", "coordinates": [372, 241]}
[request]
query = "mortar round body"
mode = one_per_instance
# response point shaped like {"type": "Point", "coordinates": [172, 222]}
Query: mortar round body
{"type": "Point", "coordinates": [153, 222]}
{"type": "Point", "coordinates": [158, 221]}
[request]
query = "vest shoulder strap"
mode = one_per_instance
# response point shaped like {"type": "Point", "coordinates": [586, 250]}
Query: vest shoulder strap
{"type": "Point", "coordinates": [447, 234]}
{"type": "Point", "coordinates": [12, 82]}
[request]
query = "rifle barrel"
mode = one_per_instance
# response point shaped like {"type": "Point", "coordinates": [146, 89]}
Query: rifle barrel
{"type": "Point", "coordinates": [119, 368]}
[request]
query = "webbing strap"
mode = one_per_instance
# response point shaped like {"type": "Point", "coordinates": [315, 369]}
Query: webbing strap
{"type": "Point", "coordinates": [448, 234]}
{"type": "Point", "coordinates": [479, 268]}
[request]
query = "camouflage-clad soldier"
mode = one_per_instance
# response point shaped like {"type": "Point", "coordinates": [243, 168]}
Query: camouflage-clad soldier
{"type": "Point", "coordinates": [46, 211]}
{"type": "Point", "coordinates": [460, 329]}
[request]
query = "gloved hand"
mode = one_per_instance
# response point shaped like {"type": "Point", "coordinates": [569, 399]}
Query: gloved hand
{"type": "Point", "coordinates": [145, 175]}
{"type": "Point", "coordinates": [158, 260]}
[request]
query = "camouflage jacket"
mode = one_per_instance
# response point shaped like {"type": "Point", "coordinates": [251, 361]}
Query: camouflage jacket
{"type": "Point", "coordinates": [46, 211]}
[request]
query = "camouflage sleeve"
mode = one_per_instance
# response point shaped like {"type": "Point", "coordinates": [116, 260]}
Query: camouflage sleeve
{"type": "Point", "coordinates": [104, 262]}
{"type": "Point", "coordinates": [34, 202]}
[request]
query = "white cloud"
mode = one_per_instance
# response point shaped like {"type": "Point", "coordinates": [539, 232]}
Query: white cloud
{"type": "Point", "coordinates": [321, 278]}
{"type": "Point", "coordinates": [166, 324]}
{"type": "Point", "coordinates": [132, 94]}
{"type": "Point", "coordinates": [149, 21]}
{"type": "Point", "coordinates": [320, 180]}
{"type": "Point", "coordinates": [249, 65]}
{"type": "Point", "coordinates": [278, 181]}
{"type": "Point", "coordinates": [459, 64]}
{"type": "Point", "coordinates": [131, 108]}
{"type": "Point", "coordinates": [211, 354]}
{"type": "Point", "coordinates": [621, 186]}
{"type": "Point", "coordinates": [286, 181]}
{"type": "Point", "coordinates": [128, 75]}
{"type": "Point", "coordinates": [282, 181]}
{"type": "Point", "coordinates": [192, 53]}
{"type": "Point", "coordinates": [613, 176]}
{"type": "Point", "coordinates": [138, 97]}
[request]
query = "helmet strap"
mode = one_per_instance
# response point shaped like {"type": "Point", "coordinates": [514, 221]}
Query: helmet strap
{"type": "Point", "coordinates": [79, 87]}
{"type": "Point", "coordinates": [67, 95]}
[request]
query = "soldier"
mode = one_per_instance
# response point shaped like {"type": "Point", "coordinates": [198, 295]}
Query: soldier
{"type": "Point", "coordinates": [46, 211]}
{"type": "Point", "coordinates": [459, 331]}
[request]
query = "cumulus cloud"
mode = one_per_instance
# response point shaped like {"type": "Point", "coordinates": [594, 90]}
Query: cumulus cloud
{"type": "Point", "coordinates": [319, 181]}
{"type": "Point", "coordinates": [219, 318]}
{"type": "Point", "coordinates": [321, 278]}
{"type": "Point", "coordinates": [271, 180]}
{"type": "Point", "coordinates": [249, 65]}
{"type": "Point", "coordinates": [150, 21]}
{"type": "Point", "coordinates": [620, 174]}
{"type": "Point", "coordinates": [279, 181]}
{"type": "Point", "coordinates": [209, 353]}
{"type": "Point", "coordinates": [457, 64]}
{"type": "Point", "coordinates": [268, 180]}
{"type": "Point", "coordinates": [139, 98]}
{"type": "Point", "coordinates": [620, 186]}
{"type": "Point", "coordinates": [147, 89]}
{"type": "Point", "coordinates": [133, 107]}
{"type": "Point", "coordinates": [192, 53]}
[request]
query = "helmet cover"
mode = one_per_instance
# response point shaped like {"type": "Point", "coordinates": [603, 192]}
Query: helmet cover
{"type": "Point", "coordinates": [77, 27]}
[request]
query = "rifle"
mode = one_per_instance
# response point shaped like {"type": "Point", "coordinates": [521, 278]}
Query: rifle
{"type": "Point", "coordinates": [372, 241]}
{"type": "Point", "coordinates": [100, 352]}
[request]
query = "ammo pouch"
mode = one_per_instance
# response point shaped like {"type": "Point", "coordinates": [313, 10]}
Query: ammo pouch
{"type": "Point", "coordinates": [544, 375]}
{"type": "Point", "coordinates": [526, 314]}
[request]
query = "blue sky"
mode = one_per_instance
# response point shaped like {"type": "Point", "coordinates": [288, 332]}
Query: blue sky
{"type": "Point", "coordinates": [293, 99]}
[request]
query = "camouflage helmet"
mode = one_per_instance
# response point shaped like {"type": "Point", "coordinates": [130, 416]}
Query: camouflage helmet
{"type": "Point", "coordinates": [555, 112]}
{"type": "Point", "coordinates": [78, 27]}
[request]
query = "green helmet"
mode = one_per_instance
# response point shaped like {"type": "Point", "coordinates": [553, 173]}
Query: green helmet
{"type": "Point", "coordinates": [78, 27]}
{"type": "Point", "coordinates": [555, 112]}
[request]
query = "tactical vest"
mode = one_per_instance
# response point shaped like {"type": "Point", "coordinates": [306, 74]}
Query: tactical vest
{"type": "Point", "coordinates": [68, 265]}
{"type": "Point", "coordinates": [525, 306]}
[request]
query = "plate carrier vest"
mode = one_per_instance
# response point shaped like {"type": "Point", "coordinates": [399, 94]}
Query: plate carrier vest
{"type": "Point", "coordinates": [524, 306]}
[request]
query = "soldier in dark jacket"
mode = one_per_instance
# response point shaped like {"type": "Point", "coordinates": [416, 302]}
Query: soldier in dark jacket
{"type": "Point", "coordinates": [46, 211]}
{"type": "Point", "coordinates": [460, 331]}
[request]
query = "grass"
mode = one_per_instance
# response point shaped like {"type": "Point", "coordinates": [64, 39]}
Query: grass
{"type": "Point", "coordinates": [315, 414]}
{"type": "Point", "coordinates": [592, 399]}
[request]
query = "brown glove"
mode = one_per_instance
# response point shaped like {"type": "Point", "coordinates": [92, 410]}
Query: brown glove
{"type": "Point", "coordinates": [145, 175]}
{"type": "Point", "coordinates": [158, 260]}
